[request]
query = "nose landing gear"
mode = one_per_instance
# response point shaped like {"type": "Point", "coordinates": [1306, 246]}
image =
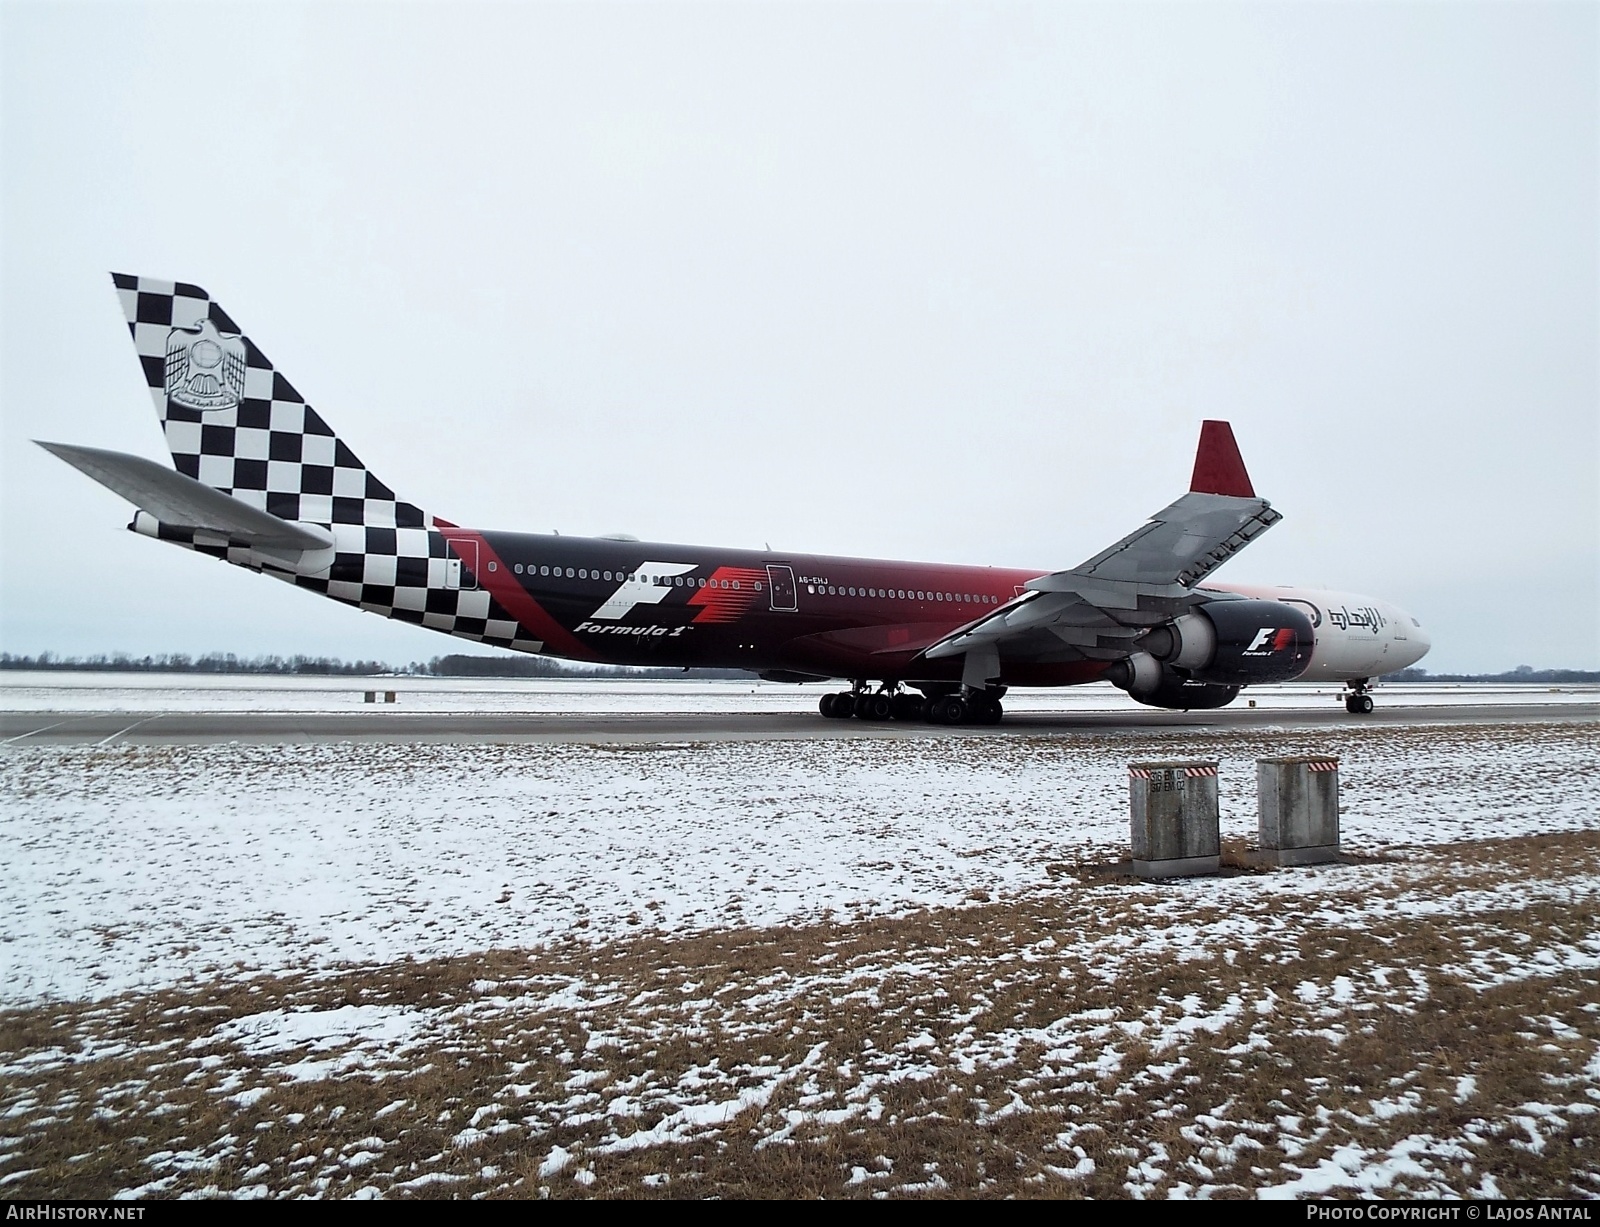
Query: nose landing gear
{"type": "Point", "coordinates": [1358, 698]}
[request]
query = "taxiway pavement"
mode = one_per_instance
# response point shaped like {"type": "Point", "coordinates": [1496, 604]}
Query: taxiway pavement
{"type": "Point", "coordinates": [378, 725]}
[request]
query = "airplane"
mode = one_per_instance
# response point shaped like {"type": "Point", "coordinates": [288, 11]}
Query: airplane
{"type": "Point", "coordinates": [260, 481]}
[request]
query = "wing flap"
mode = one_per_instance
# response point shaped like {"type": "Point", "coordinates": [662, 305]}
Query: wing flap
{"type": "Point", "coordinates": [1149, 577]}
{"type": "Point", "coordinates": [1183, 543]}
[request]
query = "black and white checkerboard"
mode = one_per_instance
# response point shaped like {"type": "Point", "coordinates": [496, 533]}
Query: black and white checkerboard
{"type": "Point", "coordinates": [266, 447]}
{"type": "Point", "coordinates": [269, 449]}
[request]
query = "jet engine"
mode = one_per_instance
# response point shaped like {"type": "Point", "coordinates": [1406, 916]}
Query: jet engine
{"type": "Point", "coordinates": [1201, 659]}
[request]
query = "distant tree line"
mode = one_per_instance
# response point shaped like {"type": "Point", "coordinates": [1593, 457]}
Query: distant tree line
{"type": "Point", "coordinates": [1522, 673]}
{"type": "Point", "coordinates": [455, 665]}
{"type": "Point", "coordinates": [214, 662]}
{"type": "Point", "coordinates": [544, 666]}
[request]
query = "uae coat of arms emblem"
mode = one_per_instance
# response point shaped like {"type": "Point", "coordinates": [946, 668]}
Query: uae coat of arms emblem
{"type": "Point", "coordinates": [205, 368]}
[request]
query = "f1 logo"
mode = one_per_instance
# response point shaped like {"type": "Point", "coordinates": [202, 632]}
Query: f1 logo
{"type": "Point", "coordinates": [647, 585]}
{"type": "Point", "coordinates": [1281, 637]}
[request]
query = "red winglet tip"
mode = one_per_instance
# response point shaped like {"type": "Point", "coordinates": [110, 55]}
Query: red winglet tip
{"type": "Point", "coordinates": [1218, 467]}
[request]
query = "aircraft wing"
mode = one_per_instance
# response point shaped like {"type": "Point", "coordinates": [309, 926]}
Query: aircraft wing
{"type": "Point", "coordinates": [1100, 606]}
{"type": "Point", "coordinates": [183, 502]}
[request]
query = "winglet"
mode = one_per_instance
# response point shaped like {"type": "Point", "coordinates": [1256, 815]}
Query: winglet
{"type": "Point", "coordinates": [1218, 467]}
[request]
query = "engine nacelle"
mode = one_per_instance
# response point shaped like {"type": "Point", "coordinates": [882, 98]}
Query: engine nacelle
{"type": "Point", "coordinates": [1160, 685]}
{"type": "Point", "coordinates": [1235, 643]}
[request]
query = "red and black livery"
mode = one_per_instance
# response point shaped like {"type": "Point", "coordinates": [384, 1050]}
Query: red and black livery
{"type": "Point", "coordinates": [261, 481]}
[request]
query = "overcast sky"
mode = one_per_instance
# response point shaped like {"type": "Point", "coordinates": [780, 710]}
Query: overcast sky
{"type": "Point", "coordinates": [944, 282]}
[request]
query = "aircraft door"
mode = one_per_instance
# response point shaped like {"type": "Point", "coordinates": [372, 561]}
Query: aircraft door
{"type": "Point", "coordinates": [461, 569]}
{"type": "Point", "coordinates": [785, 594]}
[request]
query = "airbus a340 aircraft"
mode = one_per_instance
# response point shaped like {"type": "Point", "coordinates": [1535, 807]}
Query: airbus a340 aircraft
{"type": "Point", "coordinates": [263, 483]}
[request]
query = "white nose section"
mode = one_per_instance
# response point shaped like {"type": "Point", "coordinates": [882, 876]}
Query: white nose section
{"type": "Point", "coordinates": [1416, 643]}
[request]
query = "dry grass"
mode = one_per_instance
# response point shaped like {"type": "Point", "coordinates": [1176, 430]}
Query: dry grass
{"type": "Point", "coordinates": [1417, 1024]}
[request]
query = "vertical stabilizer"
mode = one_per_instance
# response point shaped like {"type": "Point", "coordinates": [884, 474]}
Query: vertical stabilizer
{"type": "Point", "coordinates": [233, 423]}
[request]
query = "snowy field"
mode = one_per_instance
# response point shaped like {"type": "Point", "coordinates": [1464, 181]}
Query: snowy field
{"type": "Point", "coordinates": [147, 866]}
{"type": "Point", "coordinates": [195, 692]}
{"type": "Point", "coordinates": [862, 967]}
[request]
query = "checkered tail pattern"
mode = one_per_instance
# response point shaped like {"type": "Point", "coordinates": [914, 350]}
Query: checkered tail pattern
{"type": "Point", "coordinates": [234, 423]}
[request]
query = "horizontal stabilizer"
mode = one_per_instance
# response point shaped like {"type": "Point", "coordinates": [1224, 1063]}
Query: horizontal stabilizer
{"type": "Point", "coordinates": [184, 502]}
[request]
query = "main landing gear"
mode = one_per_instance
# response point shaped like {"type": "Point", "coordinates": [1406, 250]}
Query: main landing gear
{"type": "Point", "coordinates": [892, 703]}
{"type": "Point", "coordinates": [1358, 699]}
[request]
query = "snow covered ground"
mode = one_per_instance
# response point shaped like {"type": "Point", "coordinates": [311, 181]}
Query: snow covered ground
{"type": "Point", "coordinates": [146, 866]}
{"type": "Point", "coordinates": [1422, 1025]}
{"type": "Point", "coordinates": [870, 967]}
{"type": "Point", "coordinates": [189, 692]}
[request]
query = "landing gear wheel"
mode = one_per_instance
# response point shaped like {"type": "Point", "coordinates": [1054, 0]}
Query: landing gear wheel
{"type": "Point", "coordinates": [986, 710]}
{"type": "Point", "coordinates": [874, 706]}
{"type": "Point", "coordinates": [1359, 705]}
{"type": "Point", "coordinates": [948, 709]}
{"type": "Point", "coordinates": [839, 706]}
{"type": "Point", "coordinates": [906, 707]}
{"type": "Point", "coordinates": [825, 706]}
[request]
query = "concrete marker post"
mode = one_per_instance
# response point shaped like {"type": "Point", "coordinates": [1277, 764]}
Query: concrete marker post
{"type": "Point", "coordinates": [1297, 800]}
{"type": "Point", "coordinates": [1173, 818]}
